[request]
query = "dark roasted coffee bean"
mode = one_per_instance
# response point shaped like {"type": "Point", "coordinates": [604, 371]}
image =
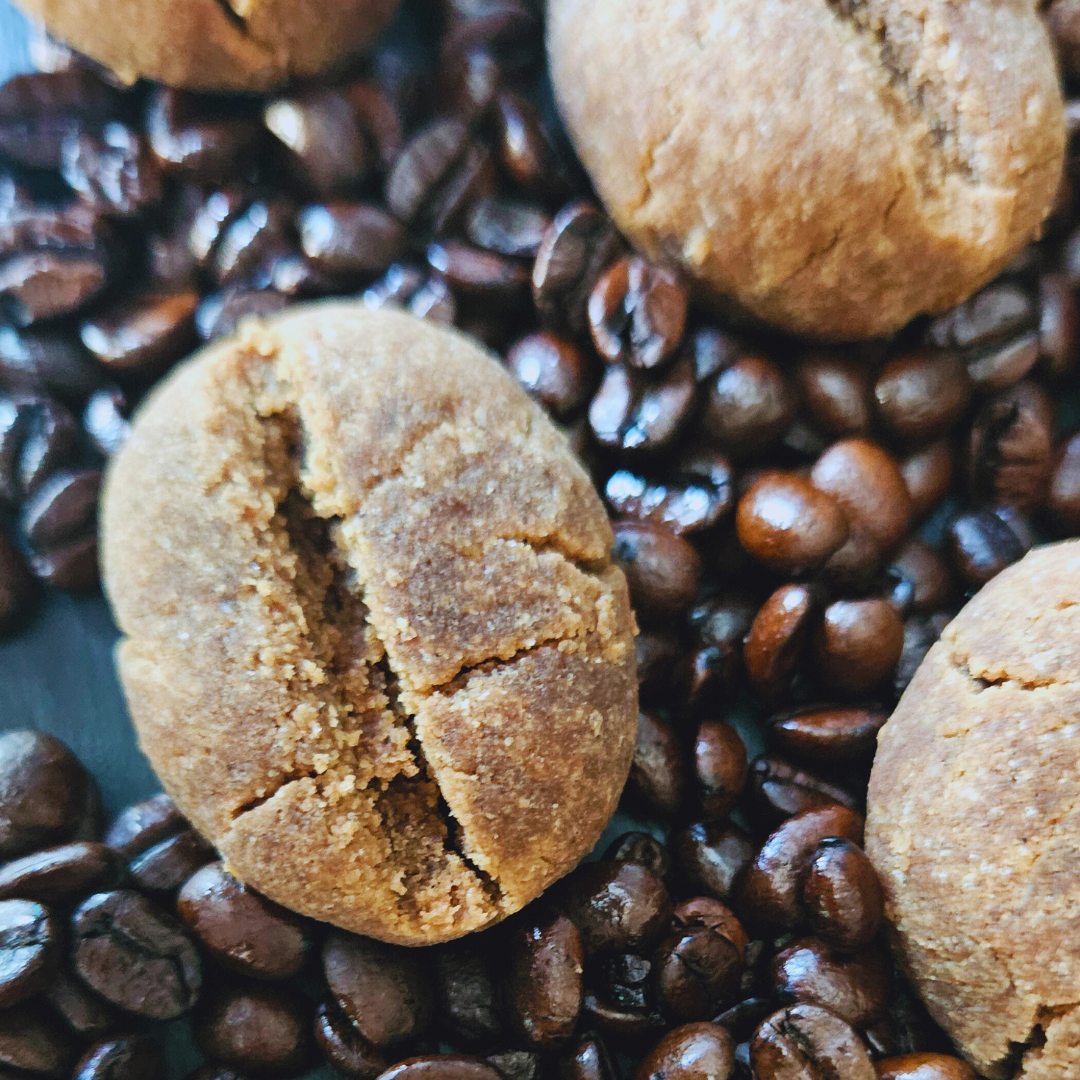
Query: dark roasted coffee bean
{"type": "Point", "coordinates": [744, 1018]}
{"type": "Point", "coordinates": [639, 847]}
{"type": "Point", "coordinates": [775, 640]}
{"type": "Point", "coordinates": [925, 1066]}
{"type": "Point", "coordinates": [145, 334]}
{"type": "Point", "coordinates": [835, 393]}
{"type": "Point", "coordinates": [251, 242]}
{"type": "Point", "coordinates": [349, 239]}
{"type": "Point", "coordinates": [1058, 325]}
{"type": "Point", "coordinates": [920, 633]}
{"type": "Point", "coordinates": [980, 545]}
{"type": "Point", "coordinates": [806, 1042]}
{"type": "Point", "coordinates": [72, 566]}
{"type": "Point", "coordinates": [788, 524]}
{"type": "Point", "coordinates": [166, 866]}
{"type": "Point", "coordinates": [343, 1046]}
{"type": "Point", "coordinates": [750, 404]}
{"type": "Point", "coordinates": [465, 994]}
{"type": "Point", "coordinates": [617, 906]}
{"type": "Point", "coordinates": [16, 585]}
{"type": "Point", "coordinates": [1063, 501]}
{"type": "Point", "coordinates": [41, 285]}
{"type": "Point", "coordinates": [709, 675]}
{"type": "Point", "coordinates": [142, 825]}
{"type": "Point", "coordinates": [240, 929]}
{"type": "Point", "coordinates": [663, 570]}
{"type": "Point", "coordinates": [383, 990]}
{"type": "Point", "coordinates": [424, 165]}
{"type": "Point", "coordinates": [62, 508]}
{"type": "Point", "coordinates": [552, 370]}
{"type": "Point", "coordinates": [264, 1030]}
{"type": "Point", "coordinates": [211, 218]}
{"type": "Point", "coordinates": [626, 1026]}
{"type": "Point", "coordinates": [625, 981]}
{"type": "Point", "coordinates": [588, 1060]}
{"type": "Point", "coordinates": [442, 1067]}
{"type": "Point", "coordinates": [30, 944]}
{"type": "Point", "coordinates": [478, 274]}
{"type": "Point", "coordinates": [133, 1057]}
{"type": "Point", "coordinates": [43, 792]}
{"type": "Point", "coordinates": [857, 645]}
{"type": "Point", "coordinates": [543, 987]}
{"type": "Point", "coordinates": [578, 246]}
{"type": "Point", "coordinates": [779, 789]}
{"type": "Point", "coordinates": [928, 474]}
{"type": "Point", "coordinates": [32, 1042]}
{"type": "Point", "coordinates": [113, 171]}
{"type": "Point", "coordinates": [710, 858]}
{"type": "Point", "coordinates": [45, 363]}
{"type": "Point", "coordinates": [632, 413]}
{"type": "Point", "coordinates": [770, 895]}
{"type": "Point", "coordinates": [526, 149]}
{"type": "Point", "coordinates": [220, 313]}
{"type": "Point", "coordinates": [855, 988]}
{"type": "Point", "coordinates": [690, 1052]}
{"type": "Point", "coordinates": [720, 768]}
{"type": "Point", "coordinates": [927, 573]}
{"type": "Point", "coordinates": [517, 1064]}
{"type": "Point", "coordinates": [37, 436]}
{"type": "Point", "coordinates": [25, 225]}
{"type": "Point", "coordinates": [921, 395]}
{"type": "Point", "coordinates": [657, 780]}
{"type": "Point", "coordinates": [59, 873]}
{"type": "Point", "coordinates": [507, 227]}
{"type": "Point", "coordinates": [657, 652]}
{"type": "Point", "coordinates": [105, 419]}
{"type": "Point", "coordinates": [842, 895]}
{"type": "Point", "coordinates": [87, 1014]}
{"type": "Point", "coordinates": [135, 955]}
{"type": "Point", "coordinates": [1005, 364]}
{"type": "Point", "coordinates": [993, 314]}
{"type": "Point", "coordinates": [826, 735]}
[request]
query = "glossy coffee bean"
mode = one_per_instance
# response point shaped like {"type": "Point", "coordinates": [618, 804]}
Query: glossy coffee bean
{"type": "Point", "coordinates": [927, 572]}
{"type": "Point", "coordinates": [588, 1060]}
{"type": "Point", "coordinates": [133, 1057]}
{"type": "Point", "coordinates": [1063, 500]}
{"type": "Point", "coordinates": [30, 944]}
{"type": "Point", "coordinates": [711, 858]}
{"type": "Point", "coordinates": [720, 768]}
{"type": "Point", "coordinates": [826, 735]}
{"type": "Point", "coordinates": [690, 1052]}
{"type": "Point", "coordinates": [994, 314]}
{"type": "Point", "coordinates": [343, 1046]}
{"type": "Point", "coordinates": [626, 980]}
{"type": "Point", "coordinates": [789, 525]}
{"type": "Point", "coordinates": [105, 419]}
{"type": "Point", "coordinates": [37, 437]}
{"type": "Point", "coordinates": [442, 1067]}
{"type": "Point", "coordinates": [135, 955]}
{"type": "Point", "coordinates": [423, 166]}
{"type": "Point", "coordinates": [17, 590]}
{"type": "Point", "coordinates": [465, 994]}
{"type": "Point", "coordinates": [632, 1027]}
{"type": "Point", "coordinates": [857, 645]}
{"type": "Point", "coordinates": [806, 1042]}
{"type": "Point", "coordinates": [775, 640]}
{"type": "Point", "coordinates": [921, 395]}
{"type": "Point", "coordinates": [350, 239]}
{"type": "Point", "coordinates": [663, 570]}
{"type": "Point", "coordinates": [980, 545]}
{"type": "Point", "coordinates": [835, 393]}
{"type": "Point", "coordinates": [144, 334]}
{"type": "Point", "coordinates": [1059, 324]}
{"type": "Point", "coordinates": [33, 1043]}
{"type": "Point", "coordinates": [920, 633]}
{"type": "Point", "coordinates": [252, 241]}
{"type": "Point", "coordinates": [112, 170]}
{"type": "Point", "coordinates": [928, 474]}
{"type": "Point", "coordinates": [383, 990]}
{"type": "Point", "coordinates": [553, 371]}
{"type": "Point", "coordinates": [220, 313]}
{"type": "Point", "coordinates": [925, 1066]}
{"type": "Point", "coordinates": [749, 406]}
{"type": "Point", "coordinates": [72, 566]}
{"type": "Point", "coordinates": [44, 362]}
{"type": "Point", "coordinates": [770, 894]}
{"type": "Point", "coordinates": [83, 1011]}
{"type": "Point", "coordinates": [142, 825]}
{"type": "Point", "coordinates": [657, 652]}
{"type": "Point", "coordinates": [41, 285]}
{"type": "Point", "coordinates": [658, 774]}
{"type": "Point", "coordinates": [44, 792]}
{"type": "Point", "coordinates": [642, 848]}
{"type": "Point", "coordinates": [263, 1030]}
{"type": "Point", "coordinates": [477, 274]}
{"type": "Point", "coordinates": [57, 874]}
{"type": "Point", "coordinates": [1004, 364]}
{"type": "Point", "coordinates": [544, 987]}
{"type": "Point", "coordinates": [527, 151]}
{"type": "Point", "coordinates": [842, 895]}
{"type": "Point", "coordinates": [507, 227]}
{"type": "Point", "coordinates": [62, 508]}
{"type": "Point", "coordinates": [166, 866]}
{"type": "Point", "coordinates": [632, 413]}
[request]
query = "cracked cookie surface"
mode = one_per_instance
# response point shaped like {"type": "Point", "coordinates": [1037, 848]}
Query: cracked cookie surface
{"type": "Point", "coordinates": [834, 167]}
{"type": "Point", "coordinates": [374, 644]}
{"type": "Point", "coordinates": [974, 822]}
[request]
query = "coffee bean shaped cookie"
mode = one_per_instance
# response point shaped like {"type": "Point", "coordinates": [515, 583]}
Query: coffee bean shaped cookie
{"type": "Point", "coordinates": [374, 645]}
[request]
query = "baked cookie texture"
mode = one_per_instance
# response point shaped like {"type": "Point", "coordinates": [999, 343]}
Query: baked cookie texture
{"type": "Point", "coordinates": [974, 822]}
{"type": "Point", "coordinates": [374, 644]}
{"type": "Point", "coordinates": [215, 44]}
{"type": "Point", "coordinates": [833, 167]}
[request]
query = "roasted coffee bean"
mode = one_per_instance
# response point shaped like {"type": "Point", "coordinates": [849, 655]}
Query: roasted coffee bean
{"type": "Point", "coordinates": [928, 474]}
{"type": "Point", "coordinates": [632, 413]}
{"type": "Point", "coordinates": [779, 790]}
{"type": "Point", "coordinates": [710, 674]}
{"type": "Point", "coordinates": [627, 1026]}
{"type": "Point", "coordinates": [657, 780]}
{"type": "Point", "coordinates": [240, 929]}
{"type": "Point", "coordinates": [105, 419]}
{"type": "Point", "coordinates": [925, 1067]}
{"type": "Point", "coordinates": [919, 634]}
{"type": "Point", "coordinates": [465, 995]}
{"type": "Point", "coordinates": [744, 1018]}
{"type": "Point", "coordinates": [690, 1052]}
{"type": "Point", "coordinates": [343, 1046]}
{"type": "Point", "coordinates": [135, 955]}
{"type": "Point", "coordinates": [835, 393]}
{"type": "Point", "coordinates": [806, 1042]}
{"type": "Point", "coordinates": [507, 227]}
{"type": "Point", "coordinates": [788, 524]}
{"type": "Point", "coordinates": [133, 1057]}
{"type": "Point", "coordinates": [921, 395]}
{"type": "Point", "coordinates": [30, 944]}
{"type": "Point", "coordinates": [1005, 364]}
{"type": "Point", "coordinates": [87, 1014]}
{"type": "Point", "coordinates": [543, 987]}
{"type": "Point", "coordinates": [424, 165]}
{"type": "Point", "coordinates": [617, 906]}
{"type": "Point", "coordinates": [16, 585]}
{"type": "Point", "coordinates": [113, 171]}
{"type": "Point", "coordinates": [624, 980]}
{"type": "Point", "coordinates": [980, 545]}
{"type": "Point", "coordinates": [994, 314]}
{"type": "Point", "coordinates": [1058, 325]}
{"type": "Point", "coordinates": [842, 895]}
{"type": "Point", "coordinates": [578, 246]}
{"type": "Point", "coordinates": [750, 404]}
{"type": "Point", "coordinates": [1063, 500]}
{"type": "Point", "coordinates": [770, 894]}
{"type": "Point", "coordinates": [383, 990]}
{"type": "Point", "coordinates": [526, 149]}
{"type": "Point", "coordinates": [59, 873]}
{"type": "Point", "coordinates": [210, 220]}
{"type": "Point", "coordinates": [264, 1030]}
{"type": "Point", "coordinates": [41, 285]}
{"type": "Point", "coordinates": [588, 1060]}
{"type": "Point", "coordinates": [72, 566]}
{"type": "Point", "coordinates": [142, 825]}
{"type": "Point", "coordinates": [145, 334]}
{"type": "Point", "coordinates": [720, 768]}
{"type": "Point", "coordinates": [826, 735]}
{"type": "Point", "coordinates": [350, 239]}
{"type": "Point", "coordinates": [775, 640]}
{"type": "Point", "coordinates": [32, 1042]}
{"type": "Point", "coordinates": [166, 866]}
{"type": "Point", "coordinates": [927, 572]}
{"type": "Point", "coordinates": [45, 363]}
{"type": "Point", "coordinates": [62, 508]}
{"type": "Point", "coordinates": [663, 570]}
{"type": "Point", "coordinates": [25, 224]}
{"type": "Point", "coordinates": [710, 858]}
{"type": "Point", "coordinates": [478, 274]}
{"type": "Point", "coordinates": [657, 652]}
{"type": "Point", "coordinates": [642, 848]}
{"type": "Point", "coordinates": [220, 313]}
{"type": "Point", "coordinates": [442, 1067]}
{"type": "Point", "coordinates": [252, 241]}
{"type": "Point", "coordinates": [215, 1072]}
{"type": "Point", "coordinates": [44, 792]}
{"type": "Point", "coordinates": [857, 645]}
{"type": "Point", "coordinates": [552, 370]}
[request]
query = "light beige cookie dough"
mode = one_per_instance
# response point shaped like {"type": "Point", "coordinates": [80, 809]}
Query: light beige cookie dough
{"type": "Point", "coordinates": [974, 822]}
{"type": "Point", "coordinates": [374, 644]}
{"type": "Point", "coordinates": [833, 167]}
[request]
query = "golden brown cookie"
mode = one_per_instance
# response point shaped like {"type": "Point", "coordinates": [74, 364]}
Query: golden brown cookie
{"type": "Point", "coordinates": [835, 167]}
{"type": "Point", "coordinates": [215, 44]}
{"type": "Point", "coordinates": [374, 643]}
{"type": "Point", "coordinates": [974, 822]}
